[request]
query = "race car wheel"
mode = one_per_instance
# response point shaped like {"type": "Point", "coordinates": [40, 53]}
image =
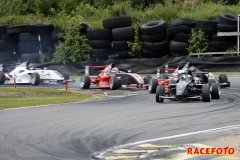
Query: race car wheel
{"type": "Point", "coordinates": [85, 82]}
{"type": "Point", "coordinates": [215, 91]}
{"type": "Point", "coordinates": [223, 78]}
{"type": "Point", "coordinates": [113, 83]}
{"type": "Point", "coordinates": [206, 93]}
{"type": "Point", "coordinates": [2, 78]}
{"type": "Point", "coordinates": [147, 79]}
{"type": "Point", "coordinates": [159, 92]}
{"type": "Point", "coordinates": [152, 85]}
{"type": "Point", "coordinates": [35, 79]}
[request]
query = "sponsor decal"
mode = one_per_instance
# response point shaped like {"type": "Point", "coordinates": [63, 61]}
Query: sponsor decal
{"type": "Point", "coordinates": [103, 83]}
{"type": "Point", "coordinates": [211, 151]}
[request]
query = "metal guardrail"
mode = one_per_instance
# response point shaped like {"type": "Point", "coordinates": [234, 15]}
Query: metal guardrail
{"type": "Point", "coordinates": [224, 34]}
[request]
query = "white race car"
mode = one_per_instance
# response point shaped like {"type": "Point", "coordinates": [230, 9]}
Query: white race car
{"type": "Point", "coordinates": [24, 74]}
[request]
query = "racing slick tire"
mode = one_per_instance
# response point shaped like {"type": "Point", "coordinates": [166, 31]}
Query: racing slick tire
{"type": "Point", "coordinates": [113, 83]}
{"type": "Point", "coordinates": [85, 82]}
{"type": "Point", "coordinates": [153, 83]}
{"type": "Point", "coordinates": [206, 93]}
{"type": "Point", "coordinates": [215, 91]}
{"type": "Point", "coordinates": [223, 78]}
{"type": "Point", "coordinates": [147, 79]}
{"type": "Point", "coordinates": [35, 79]}
{"type": "Point", "coordinates": [2, 78]}
{"type": "Point", "coordinates": [159, 92]}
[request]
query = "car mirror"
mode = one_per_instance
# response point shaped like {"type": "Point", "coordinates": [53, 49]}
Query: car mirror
{"type": "Point", "coordinates": [129, 71]}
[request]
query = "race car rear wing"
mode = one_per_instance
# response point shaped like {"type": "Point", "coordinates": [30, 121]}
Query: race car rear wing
{"type": "Point", "coordinates": [165, 70]}
{"type": "Point", "coordinates": [87, 69]}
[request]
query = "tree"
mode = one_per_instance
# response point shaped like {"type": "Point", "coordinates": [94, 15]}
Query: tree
{"type": "Point", "coordinates": [74, 47]}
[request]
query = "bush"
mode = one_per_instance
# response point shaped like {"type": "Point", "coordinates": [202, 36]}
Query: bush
{"type": "Point", "coordinates": [74, 48]}
{"type": "Point", "coordinates": [136, 46]}
{"type": "Point", "coordinates": [198, 42]}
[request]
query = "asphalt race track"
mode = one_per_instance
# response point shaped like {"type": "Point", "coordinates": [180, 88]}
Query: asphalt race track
{"type": "Point", "coordinates": [75, 131]}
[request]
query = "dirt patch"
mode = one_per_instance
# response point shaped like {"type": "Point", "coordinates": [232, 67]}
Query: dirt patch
{"type": "Point", "coordinates": [19, 94]}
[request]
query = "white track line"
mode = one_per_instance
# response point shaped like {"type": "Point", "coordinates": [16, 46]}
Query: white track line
{"type": "Point", "coordinates": [101, 153]}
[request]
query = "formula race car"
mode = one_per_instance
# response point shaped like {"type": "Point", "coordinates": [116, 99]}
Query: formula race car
{"type": "Point", "coordinates": [113, 78]}
{"type": "Point", "coordinates": [165, 78]}
{"type": "Point", "coordinates": [193, 84]}
{"type": "Point", "coordinates": [27, 74]}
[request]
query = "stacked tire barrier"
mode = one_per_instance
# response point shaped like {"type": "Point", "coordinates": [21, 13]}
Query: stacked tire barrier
{"type": "Point", "coordinates": [179, 34]}
{"type": "Point", "coordinates": [225, 23]}
{"type": "Point", "coordinates": [122, 32]}
{"type": "Point", "coordinates": [100, 40]}
{"type": "Point", "coordinates": [8, 45]}
{"type": "Point", "coordinates": [35, 42]}
{"type": "Point", "coordinates": [155, 42]}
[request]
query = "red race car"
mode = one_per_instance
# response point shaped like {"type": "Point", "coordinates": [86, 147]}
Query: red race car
{"type": "Point", "coordinates": [170, 74]}
{"type": "Point", "coordinates": [113, 78]}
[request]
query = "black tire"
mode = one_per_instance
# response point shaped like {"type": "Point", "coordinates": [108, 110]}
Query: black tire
{"type": "Point", "coordinates": [147, 78]}
{"type": "Point", "coordinates": [120, 45]}
{"type": "Point", "coordinates": [35, 79]}
{"type": "Point", "coordinates": [183, 21]}
{"type": "Point", "coordinates": [34, 46]}
{"type": "Point", "coordinates": [154, 37]}
{"type": "Point", "coordinates": [153, 83]}
{"type": "Point", "coordinates": [113, 82]}
{"type": "Point", "coordinates": [97, 44]}
{"type": "Point", "coordinates": [159, 92]}
{"type": "Point", "coordinates": [223, 78]}
{"type": "Point", "coordinates": [226, 28]}
{"type": "Point", "coordinates": [165, 76]}
{"type": "Point", "coordinates": [178, 29]}
{"type": "Point", "coordinates": [206, 93]}
{"type": "Point", "coordinates": [214, 37]}
{"type": "Point", "coordinates": [156, 46]}
{"type": "Point", "coordinates": [123, 34]}
{"type": "Point", "coordinates": [178, 47]}
{"type": "Point", "coordinates": [10, 37]}
{"type": "Point", "coordinates": [99, 34]}
{"type": "Point", "coordinates": [9, 56]}
{"type": "Point", "coordinates": [222, 44]}
{"type": "Point", "coordinates": [3, 29]}
{"type": "Point", "coordinates": [114, 56]}
{"type": "Point", "coordinates": [85, 82]}
{"type": "Point", "coordinates": [17, 29]}
{"type": "Point", "coordinates": [24, 37]}
{"type": "Point", "coordinates": [207, 31]}
{"type": "Point", "coordinates": [41, 28]}
{"type": "Point", "coordinates": [227, 18]}
{"type": "Point", "coordinates": [117, 22]}
{"type": "Point", "coordinates": [206, 24]}
{"type": "Point", "coordinates": [182, 37]}
{"type": "Point", "coordinates": [153, 27]}
{"type": "Point", "coordinates": [55, 35]}
{"type": "Point", "coordinates": [215, 91]}
{"type": "Point", "coordinates": [3, 45]}
{"type": "Point", "coordinates": [84, 28]}
{"type": "Point", "coordinates": [2, 78]}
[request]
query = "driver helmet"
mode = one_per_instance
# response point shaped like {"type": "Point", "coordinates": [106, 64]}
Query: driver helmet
{"type": "Point", "coordinates": [115, 70]}
{"type": "Point", "coordinates": [192, 69]}
{"type": "Point", "coordinates": [31, 66]}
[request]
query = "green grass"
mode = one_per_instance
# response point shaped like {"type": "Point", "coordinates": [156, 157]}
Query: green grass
{"type": "Point", "coordinates": [23, 97]}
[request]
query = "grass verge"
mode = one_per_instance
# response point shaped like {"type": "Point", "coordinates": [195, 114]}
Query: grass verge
{"type": "Point", "coordinates": [23, 97]}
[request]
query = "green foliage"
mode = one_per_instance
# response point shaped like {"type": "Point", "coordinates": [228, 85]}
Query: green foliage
{"type": "Point", "coordinates": [198, 42]}
{"type": "Point", "coordinates": [136, 46]}
{"type": "Point", "coordinates": [230, 50]}
{"type": "Point", "coordinates": [74, 48]}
